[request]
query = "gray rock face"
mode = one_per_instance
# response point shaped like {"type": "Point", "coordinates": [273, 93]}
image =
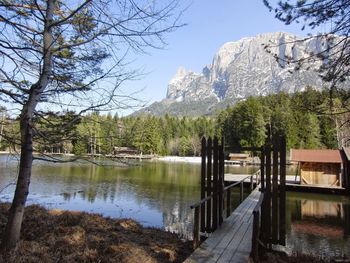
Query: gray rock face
{"type": "Point", "coordinates": [244, 68]}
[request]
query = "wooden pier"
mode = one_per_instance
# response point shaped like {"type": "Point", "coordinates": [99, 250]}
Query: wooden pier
{"type": "Point", "coordinates": [258, 222]}
{"type": "Point", "coordinates": [292, 184]}
{"type": "Point", "coordinates": [232, 242]}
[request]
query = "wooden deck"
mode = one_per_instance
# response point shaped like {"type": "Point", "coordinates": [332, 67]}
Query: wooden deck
{"type": "Point", "coordinates": [293, 184]}
{"type": "Point", "coordinates": [292, 179]}
{"type": "Point", "coordinates": [231, 242]}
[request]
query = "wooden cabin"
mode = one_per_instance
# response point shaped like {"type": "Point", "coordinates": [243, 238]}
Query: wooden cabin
{"type": "Point", "coordinates": [241, 157]}
{"type": "Point", "coordinates": [319, 167]}
{"type": "Point", "coordinates": [124, 151]}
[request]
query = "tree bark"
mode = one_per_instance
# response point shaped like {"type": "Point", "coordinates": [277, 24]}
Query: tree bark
{"type": "Point", "coordinates": [12, 230]}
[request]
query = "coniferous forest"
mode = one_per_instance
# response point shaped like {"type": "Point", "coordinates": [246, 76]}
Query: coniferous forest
{"type": "Point", "coordinates": [306, 118]}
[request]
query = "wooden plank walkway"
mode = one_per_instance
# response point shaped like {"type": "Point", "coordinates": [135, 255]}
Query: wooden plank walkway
{"type": "Point", "coordinates": [239, 177]}
{"type": "Point", "coordinates": [232, 241]}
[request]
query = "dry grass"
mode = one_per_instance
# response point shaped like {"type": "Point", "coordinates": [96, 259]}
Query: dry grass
{"type": "Point", "coordinates": [62, 236]}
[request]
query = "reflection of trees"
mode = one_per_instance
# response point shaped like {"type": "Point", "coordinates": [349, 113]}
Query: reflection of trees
{"type": "Point", "coordinates": [169, 188]}
{"type": "Point", "coordinates": [178, 219]}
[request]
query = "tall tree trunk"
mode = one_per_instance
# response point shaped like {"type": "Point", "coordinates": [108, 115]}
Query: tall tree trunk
{"type": "Point", "coordinates": [3, 116]}
{"type": "Point", "coordinates": [12, 230]}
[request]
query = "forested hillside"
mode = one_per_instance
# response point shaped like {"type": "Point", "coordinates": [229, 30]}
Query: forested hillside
{"type": "Point", "coordinates": [305, 118]}
{"type": "Point", "coordinates": [308, 119]}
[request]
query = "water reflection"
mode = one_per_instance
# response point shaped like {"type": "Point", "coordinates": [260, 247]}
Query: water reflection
{"type": "Point", "coordinates": [159, 195]}
{"type": "Point", "coordinates": [156, 194]}
{"type": "Point", "coordinates": [318, 224]}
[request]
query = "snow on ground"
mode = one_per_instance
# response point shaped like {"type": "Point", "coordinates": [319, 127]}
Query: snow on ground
{"type": "Point", "coordinates": [186, 159]}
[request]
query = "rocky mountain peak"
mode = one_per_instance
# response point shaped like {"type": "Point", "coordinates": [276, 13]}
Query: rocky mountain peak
{"type": "Point", "coordinates": [251, 66]}
{"type": "Point", "coordinates": [244, 67]}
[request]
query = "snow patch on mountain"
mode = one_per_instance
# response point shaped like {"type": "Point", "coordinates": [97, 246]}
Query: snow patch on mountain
{"type": "Point", "coordinates": [251, 66]}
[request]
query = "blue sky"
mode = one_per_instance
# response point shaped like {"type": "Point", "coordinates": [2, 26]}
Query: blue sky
{"type": "Point", "coordinates": [210, 24]}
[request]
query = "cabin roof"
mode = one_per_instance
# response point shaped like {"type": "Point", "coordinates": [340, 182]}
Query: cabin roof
{"type": "Point", "coordinates": [315, 156]}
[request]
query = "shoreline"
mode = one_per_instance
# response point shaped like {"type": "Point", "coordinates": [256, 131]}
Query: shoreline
{"type": "Point", "coordinates": [70, 236]}
{"type": "Point", "coordinates": [180, 159]}
{"type": "Point", "coordinates": [167, 158]}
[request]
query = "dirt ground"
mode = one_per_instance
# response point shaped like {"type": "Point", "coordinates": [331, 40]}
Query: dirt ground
{"type": "Point", "coordinates": [62, 236]}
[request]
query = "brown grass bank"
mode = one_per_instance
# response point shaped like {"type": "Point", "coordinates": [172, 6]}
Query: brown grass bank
{"type": "Point", "coordinates": [63, 236]}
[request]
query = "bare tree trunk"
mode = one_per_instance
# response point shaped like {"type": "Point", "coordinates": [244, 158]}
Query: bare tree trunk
{"type": "Point", "coordinates": [12, 230]}
{"type": "Point", "coordinates": [2, 126]}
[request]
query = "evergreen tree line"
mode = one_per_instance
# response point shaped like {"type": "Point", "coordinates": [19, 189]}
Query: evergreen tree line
{"type": "Point", "coordinates": [309, 119]}
{"type": "Point", "coordinates": [305, 118]}
{"type": "Point", "coordinates": [166, 135]}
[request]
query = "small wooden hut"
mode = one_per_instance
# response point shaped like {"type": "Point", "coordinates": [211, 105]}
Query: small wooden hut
{"type": "Point", "coordinates": [241, 157]}
{"type": "Point", "coordinates": [124, 151]}
{"type": "Point", "coordinates": [319, 167]}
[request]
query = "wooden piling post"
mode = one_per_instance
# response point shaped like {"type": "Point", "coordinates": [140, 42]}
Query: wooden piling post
{"type": "Point", "coordinates": [196, 236]}
{"type": "Point", "coordinates": [267, 199]}
{"type": "Point", "coordinates": [251, 183]}
{"type": "Point", "coordinates": [221, 180]}
{"type": "Point", "coordinates": [209, 185]}
{"type": "Point", "coordinates": [255, 237]}
{"type": "Point", "coordinates": [257, 220]}
{"type": "Point", "coordinates": [275, 206]}
{"type": "Point", "coordinates": [241, 192]}
{"type": "Point", "coordinates": [262, 168]}
{"type": "Point", "coordinates": [203, 173]}
{"type": "Point", "coordinates": [228, 202]}
{"type": "Point", "coordinates": [215, 183]}
{"type": "Point", "coordinates": [282, 236]}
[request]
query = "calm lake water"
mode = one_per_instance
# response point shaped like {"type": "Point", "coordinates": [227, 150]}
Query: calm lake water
{"type": "Point", "coordinates": [159, 194]}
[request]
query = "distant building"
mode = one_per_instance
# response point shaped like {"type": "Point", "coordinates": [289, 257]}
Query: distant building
{"type": "Point", "coordinates": [124, 151]}
{"type": "Point", "coordinates": [320, 167]}
{"type": "Point", "coordinates": [239, 157]}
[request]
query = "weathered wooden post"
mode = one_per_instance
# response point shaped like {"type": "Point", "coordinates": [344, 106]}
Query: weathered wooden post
{"type": "Point", "coordinates": [228, 202]}
{"type": "Point", "coordinates": [255, 238]}
{"type": "Point", "coordinates": [257, 212]}
{"type": "Point", "coordinates": [215, 182]}
{"type": "Point", "coordinates": [209, 185]}
{"type": "Point", "coordinates": [251, 183]}
{"type": "Point", "coordinates": [273, 219]}
{"type": "Point", "coordinates": [241, 188]}
{"type": "Point", "coordinates": [196, 235]}
{"type": "Point", "coordinates": [267, 199]}
{"type": "Point", "coordinates": [283, 151]}
{"type": "Point", "coordinates": [203, 173]}
{"type": "Point", "coordinates": [262, 168]}
{"type": "Point", "coordinates": [275, 207]}
{"type": "Point", "coordinates": [221, 180]}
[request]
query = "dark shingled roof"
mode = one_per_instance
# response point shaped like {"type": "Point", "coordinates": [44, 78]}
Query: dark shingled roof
{"type": "Point", "coordinates": [315, 156]}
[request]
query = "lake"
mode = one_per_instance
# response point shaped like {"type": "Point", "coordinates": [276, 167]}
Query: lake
{"type": "Point", "coordinates": [156, 194]}
{"type": "Point", "coordinates": [159, 194]}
